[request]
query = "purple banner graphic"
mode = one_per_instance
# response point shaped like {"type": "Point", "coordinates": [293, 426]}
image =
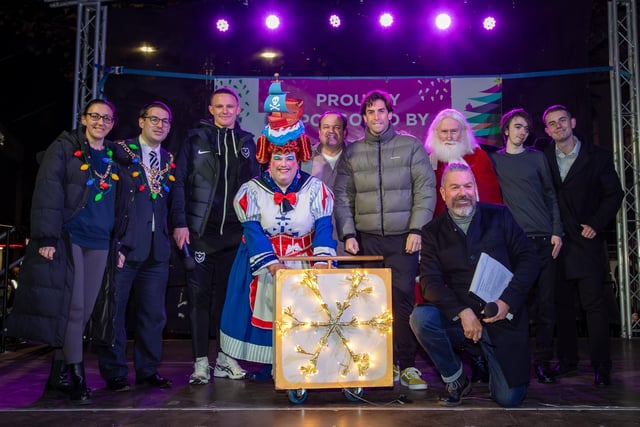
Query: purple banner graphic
{"type": "Point", "coordinates": [415, 101]}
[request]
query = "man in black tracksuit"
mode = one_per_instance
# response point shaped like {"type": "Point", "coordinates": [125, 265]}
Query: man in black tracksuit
{"type": "Point", "coordinates": [213, 162]}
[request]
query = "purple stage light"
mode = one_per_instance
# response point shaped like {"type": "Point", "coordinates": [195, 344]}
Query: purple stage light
{"type": "Point", "coordinates": [272, 22]}
{"type": "Point", "coordinates": [386, 20]}
{"type": "Point", "coordinates": [489, 23]}
{"type": "Point", "coordinates": [443, 21]}
{"type": "Point", "coordinates": [222, 25]}
{"type": "Point", "coordinates": [334, 21]}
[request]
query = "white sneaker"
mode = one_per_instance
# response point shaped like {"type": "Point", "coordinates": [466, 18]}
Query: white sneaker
{"type": "Point", "coordinates": [228, 367]}
{"type": "Point", "coordinates": [201, 369]}
{"type": "Point", "coordinates": [412, 378]}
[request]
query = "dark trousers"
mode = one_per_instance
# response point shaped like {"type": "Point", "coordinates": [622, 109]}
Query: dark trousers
{"type": "Point", "coordinates": [542, 309]}
{"type": "Point", "coordinates": [207, 289]}
{"type": "Point", "coordinates": [148, 282]}
{"type": "Point", "coordinates": [404, 268]}
{"type": "Point", "coordinates": [592, 295]}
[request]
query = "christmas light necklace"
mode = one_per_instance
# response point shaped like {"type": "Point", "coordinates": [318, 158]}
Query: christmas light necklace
{"type": "Point", "coordinates": [105, 180]}
{"type": "Point", "coordinates": [153, 178]}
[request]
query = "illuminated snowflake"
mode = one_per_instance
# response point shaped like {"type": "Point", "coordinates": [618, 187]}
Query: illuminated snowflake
{"type": "Point", "coordinates": [335, 324]}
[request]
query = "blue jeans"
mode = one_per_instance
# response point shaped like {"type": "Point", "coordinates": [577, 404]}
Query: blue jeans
{"type": "Point", "coordinates": [440, 337]}
{"type": "Point", "coordinates": [147, 284]}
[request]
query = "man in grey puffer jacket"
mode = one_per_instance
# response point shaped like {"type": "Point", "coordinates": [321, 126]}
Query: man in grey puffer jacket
{"type": "Point", "coordinates": [385, 192]}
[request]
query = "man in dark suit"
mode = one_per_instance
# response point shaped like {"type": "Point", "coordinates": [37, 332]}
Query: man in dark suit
{"type": "Point", "coordinates": [141, 252]}
{"type": "Point", "coordinates": [451, 319]}
{"type": "Point", "coordinates": [589, 195]}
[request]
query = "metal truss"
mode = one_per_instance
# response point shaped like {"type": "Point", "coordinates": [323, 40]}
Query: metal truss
{"type": "Point", "coordinates": [625, 118]}
{"type": "Point", "coordinates": [91, 45]}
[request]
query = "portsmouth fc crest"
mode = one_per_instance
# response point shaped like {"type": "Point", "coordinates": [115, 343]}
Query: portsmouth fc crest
{"type": "Point", "coordinates": [199, 256]}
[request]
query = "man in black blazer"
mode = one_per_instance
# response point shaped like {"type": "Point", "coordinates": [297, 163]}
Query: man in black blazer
{"type": "Point", "coordinates": [589, 196]}
{"type": "Point", "coordinates": [452, 319]}
{"type": "Point", "coordinates": [141, 251]}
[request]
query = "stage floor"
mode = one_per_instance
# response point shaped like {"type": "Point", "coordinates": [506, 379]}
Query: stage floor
{"type": "Point", "coordinates": [223, 402]}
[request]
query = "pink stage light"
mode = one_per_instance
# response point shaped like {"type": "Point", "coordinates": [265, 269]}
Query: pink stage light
{"type": "Point", "coordinates": [443, 21]}
{"type": "Point", "coordinates": [489, 23]}
{"type": "Point", "coordinates": [222, 25]}
{"type": "Point", "coordinates": [334, 21]}
{"type": "Point", "coordinates": [386, 20]}
{"type": "Point", "coordinates": [272, 22]}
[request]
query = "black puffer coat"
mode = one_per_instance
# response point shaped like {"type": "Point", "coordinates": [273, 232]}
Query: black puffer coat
{"type": "Point", "coordinates": [41, 308]}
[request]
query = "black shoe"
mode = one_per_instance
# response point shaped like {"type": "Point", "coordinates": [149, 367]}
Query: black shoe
{"type": "Point", "coordinates": [58, 385]}
{"type": "Point", "coordinates": [544, 374]}
{"type": "Point", "coordinates": [455, 391]}
{"type": "Point", "coordinates": [80, 393]}
{"type": "Point", "coordinates": [118, 384]}
{"type": "Point", "coordinates": [565, 370]}
{"type": "Point", "coordinates": [155, 380]}
{"type": "Point", "coordinates": [603, 375]}
{"type": "Point", "coordinates": [479, 369]}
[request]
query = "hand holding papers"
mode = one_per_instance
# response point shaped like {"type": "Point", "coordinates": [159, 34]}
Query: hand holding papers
{"type": "Point", "coordinates": [489, 280]}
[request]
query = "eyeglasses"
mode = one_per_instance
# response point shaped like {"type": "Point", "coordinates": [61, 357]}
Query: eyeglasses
{"type": "Point", "coordinates": [156, 120]}
{"type": "Point", "coordinates": [106, 119]}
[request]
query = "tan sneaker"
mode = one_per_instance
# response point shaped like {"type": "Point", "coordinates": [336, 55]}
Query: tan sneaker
{"type": "Point", "coordinates": [412, 378]}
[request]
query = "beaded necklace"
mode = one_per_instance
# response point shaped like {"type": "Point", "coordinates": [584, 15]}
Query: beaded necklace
{"type": "Point", "coordinates": [153, 178]}
{"type": "Point", "coordinates": [104, 183]}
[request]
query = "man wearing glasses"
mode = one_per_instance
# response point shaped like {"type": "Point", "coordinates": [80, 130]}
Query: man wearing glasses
{"type": "Point", "coordinates": [589, 196]}
{"type": "Point", "coordinates": [141, 251]}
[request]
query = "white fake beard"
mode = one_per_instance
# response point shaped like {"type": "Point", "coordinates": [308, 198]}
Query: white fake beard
{"type": "Point", "coordinates": [449, 153]}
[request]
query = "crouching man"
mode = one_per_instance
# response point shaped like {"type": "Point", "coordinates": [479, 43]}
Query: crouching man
{"type": "Point", "coordinates": [452, 320]}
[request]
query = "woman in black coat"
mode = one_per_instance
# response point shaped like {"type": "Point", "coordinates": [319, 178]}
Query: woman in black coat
{"type": "Point", "coordinates": [72, 217]}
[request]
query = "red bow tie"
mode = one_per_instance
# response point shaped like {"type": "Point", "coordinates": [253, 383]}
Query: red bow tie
{"type": "Point", "coordinates": [279, 197]}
